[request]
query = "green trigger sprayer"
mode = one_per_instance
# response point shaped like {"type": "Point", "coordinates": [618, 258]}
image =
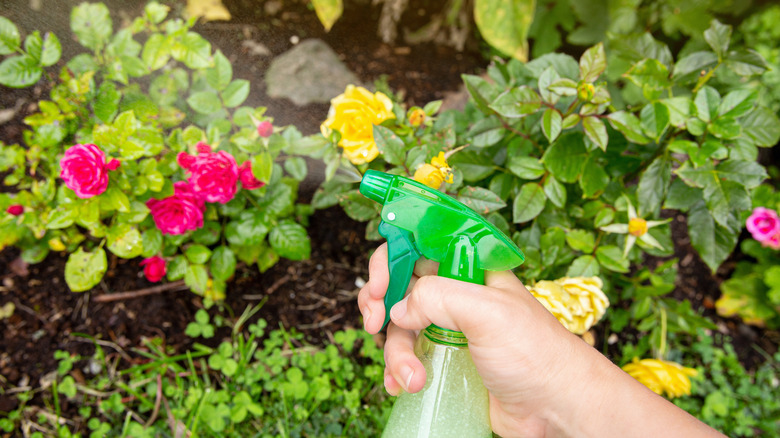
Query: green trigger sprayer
{"type": "Point", "coordinates": [420, 221]}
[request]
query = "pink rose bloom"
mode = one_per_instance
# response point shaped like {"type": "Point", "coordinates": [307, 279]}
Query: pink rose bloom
{"type": "Point", "coordinates": [213, 175]}
{"type": "Point", "coordinates": [247, 178]}
{"type": "Point", "coordinates": [15, 210]}
{"type": "Point", "coordinates": [773, 241]}
{"type": "Point", "coordinates": [154, 268]}
{"type": "Point", "coordinates": [179, 213]}
{"type": "Point", "coordinates": [763, 224]}
{"type": "Point", "coordinates": [265, 129]}
{"type": "Point", "coordinates": [85, 171]}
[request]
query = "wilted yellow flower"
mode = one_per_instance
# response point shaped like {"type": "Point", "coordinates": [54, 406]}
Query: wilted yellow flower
{"type": "Point", "coordinates": [662, 376]}
{"type": "Point", "coordinates": [434, 174]}
{"type": "Point", "coordinates": [55, 244]}
{"type": "Point", "coordinates": [577, 302]}
{"type": "Point", "coordinates": [354, 114]}
{"type": "Point", "coordinates": [417, 117]}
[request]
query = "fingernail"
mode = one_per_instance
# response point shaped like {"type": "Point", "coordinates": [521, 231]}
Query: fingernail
{"type": "Point", "coordinates": [407, 373]}
{"type": "Point", "coordinates": [366, 316]}
{"type": "Point", "coordinates": [399, 310]}
{"type": "Point", "coordinates": [388, 382]}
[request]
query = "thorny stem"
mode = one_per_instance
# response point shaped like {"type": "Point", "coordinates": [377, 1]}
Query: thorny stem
{"type": "Point", "coordinates": [662, 346]}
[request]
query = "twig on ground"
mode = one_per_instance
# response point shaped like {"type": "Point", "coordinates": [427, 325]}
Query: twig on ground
{"type": "Point", "coordinates": [174, 286]}
{"type": "Point", "coordinates": [277, 284]}
{"type": "Point", "coordinates": [321, 324]}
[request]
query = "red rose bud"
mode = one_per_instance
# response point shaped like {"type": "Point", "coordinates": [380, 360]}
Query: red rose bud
{"type": "Point", "coordinates": [202, 148]}
{"type": "Point", "coordinates": [113, 164]}
{"type": "Point", "coordinates": [154, 268]}
{"type": "Point", "coordinates": [265, 129]}
{"type": "Point", "coordinates": [247, 178]}
{"type": "Point", "coordinates": [15, 210]}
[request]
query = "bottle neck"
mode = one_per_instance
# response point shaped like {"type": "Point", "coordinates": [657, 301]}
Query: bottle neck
{"type": "Point", "coordinates": [445, 337]}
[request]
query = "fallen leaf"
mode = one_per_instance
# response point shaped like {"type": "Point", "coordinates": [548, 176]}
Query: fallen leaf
{"type": "Point", "coordinates": [7, 310]}
{"type": "Point", "coordinates": [209, 10]}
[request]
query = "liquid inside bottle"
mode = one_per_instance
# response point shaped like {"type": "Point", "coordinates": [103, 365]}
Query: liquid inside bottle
{"type": "Point", "coordinates": [454, 402]}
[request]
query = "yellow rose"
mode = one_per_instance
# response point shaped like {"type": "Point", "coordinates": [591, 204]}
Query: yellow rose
{"type": "Point", "coordinates": [434, 174]}
{"type": "Point", "coordinates": [354, 114]}
{"type": "Point", "coordinates": [417, 117]}
{"type": "Point", "coordinates": [577, 302]}
{"type": "Point", "coordinates": [662, 376]}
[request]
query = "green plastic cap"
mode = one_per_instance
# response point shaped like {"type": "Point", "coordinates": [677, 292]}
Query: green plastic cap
{"type": "Point", "coordinates": [375, 185]}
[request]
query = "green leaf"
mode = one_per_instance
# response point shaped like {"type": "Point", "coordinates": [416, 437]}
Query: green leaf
{"type": "Point", "coordinates": [517, 102]}
{"type": "Point", "coordinates": [249, 229]}
{"type": "Point", "coordinates": [706, 103]}
{"type": "Point", "coordinates": [52, 49]}
{"type": "Point", "coordinates": [263, 166]}
{"type": "Point", "coordinates": [581, 240]}
{"type": "Point", "coordinates": [176, 268]}
{"type": "Point", "coordinates": [605, 216]}
{"type": "Point", "coordinates": [563, 87]}
{"type": "Point", "coordinates": [726, 128]}
{"type": "Point", "coordinates": [221, 73]}
{"type": "Point", "coordinates": [125, 241]}
{"type": "Point", "coordinates": [504, 24]}
{"type": "Point", "coordinates": [583, 266]}
{"type": "Point", "coordinates": [593, 63]}
{"type": "Point", "coordinates": [744, 296]}
{"type": "Point", "coordinates": [594, 178]}
{"type": "Point", "coordinates": [10, 39]}
{"type": "Point", "coordinates": [718, 37]}
{"type": "Point", "coordinates": [689, 67]}
{"type": "Point", "coordinates": [236, 93]}
{"type": "Point", "coordinates": [390, 145]}
{"type": "Point", "coordinates": [679, 110]}
{"type": "Point", "coordinates": [628, 125]}
{"type": "Point", "coordinates": [682, 196]}
{"type": "Point", "coordinates": [566, 157]}
{"type": "Point", "coordinates": [152, 242]}
{"type": "Point", "coordinates": [762, 126]}
{"type": "Point", "coordinates": [551, 124]}
{"type": "Point", "coordinates": [196, 277]}
{"type": "Point", "coordinates": [737, 103]}
{"type": "Point", "coordinates": [156, 12]}
{"type": "Point", "coordinates": [20, 71]}
{"type": "Point", "coordinates": [555, 191]}
{"type": "Point", "coordinates": [713, 242]}
{"type": "Point", "coordinates": [358, 207]}
{"type": "Point", "coordinates": [611, 257]}
{"type": "Point", "coordinates": [474, 165]}
{"type": "Point", "coordinates": [653, 185]}
{"type": "Point", "coordinates": [746, 62]}
{"type": "Point", "coordinates": [193, 50]}
{"type": "Point", "coordinates": [61, 217]}
{"type": "Point", "coordinates": [481, 91]}
{"type": "Point", "coordinates": [486, 132]}
{"type": "Point", "coordinates": [223, 263]}
{"type": "Point", "coordinates": [157, 51]}
{"type": "Point", "coordinates": [547, 78]}
{"type": "Point", "coordinates": [528, 203]}
{"type": "Point", "coordinates": [290, 240]}
{"type": "Point", "coordinates": [655, 119]}
{"type": "Point", "coordinates": [748, 173]}
{"type": "Point", "coordinates": [84, 270]}
{"type": "Point", "coordinates": [204, 102]}
{"type": "Point", "coordinates": [481, 200]}
{"type": "Point", "coordinates": [296, 167]}
{"type": "Point", "coordinates": [91, 23]}
{"type": "Point", "coordinates": [208, 234]}
{"type": "Point", "coordinates": [107, 101]}
{"type": "Point", "coordinates": [596, 131]}
{"type": "Point", "coordinates": [197, 254]}
{"type": "Point", "coordinates": [328, 11]}
{"type": "Point", "coordinates": [650, 75]}
{"type": "Point", "coordinates": [525, 167]}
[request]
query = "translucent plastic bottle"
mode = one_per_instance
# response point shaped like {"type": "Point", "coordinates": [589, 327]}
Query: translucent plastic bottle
{"type": "Point", "coordinates": [453, 403]}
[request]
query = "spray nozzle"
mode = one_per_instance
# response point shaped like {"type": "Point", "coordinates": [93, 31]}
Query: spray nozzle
{"type": "Point", "coordinates": [420, 221]}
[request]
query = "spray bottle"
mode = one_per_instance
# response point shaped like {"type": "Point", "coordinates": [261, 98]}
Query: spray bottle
{"type": "Point", "coordinates": [419, 221]}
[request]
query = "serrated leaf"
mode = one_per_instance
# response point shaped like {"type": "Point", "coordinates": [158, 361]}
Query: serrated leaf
{"type": "Point", "coordinates": [528, 203]}
{"type": "Point", "coordinates": [52, 49]}
{"type": "Point", "coordinates": [679, 110]}
{"type": "Point", "coordinates": [706, 103]}
{"type": "Point", "coordinates": [481, 91]}
{"type": "Point", "coordinates": [61, 217]}
{"type": "Point", "coordinates": [592, 63]}
{"type": "Point", "coordinates": [628, 125]}
{"type": "Point", "coordinates": [10, 39]}
{"type": "Point", "coordinates": [746, 62]}
{"type": "Point", "coordinates": [654, 119]}
{"type": "Point", "coordinates": [486, 132]}
{"type": "Point", "coordinates": [290, 240]}
{"type": "Point", "coordinates": [84, 270]}
{"type": "Point", "coordinates": [594, 178]}
{"type": "Point", "coordinates": [517, 102]}
{"type": "Point", "coordinates": [504, 24]}
{"type": "Point", "coordinates": [713, 242]}
{"type": "Point", "coordinates": [555, 191]}
{"type": "Point", "coordinates": [718, 36]}
{"type": "Point", "coordinates": [737, 103]}
{"type": "Point", "coordinates": [91, 23]}
{"type": "Point", "coordinates": [762, 126]}
{"type": "Point", "coordinates": [481, 200]}
{"type": "Point", "coordinates": [249, 229]}
{"type": "Point", "coordinates": [584, 266]}
{"type": "Point", "coordinates": [235, 93]}
{"type": "Point", "coordinates": [547, 78]}
{"type": "Point", "coordinates": [529, 168]}
{"type": "Point", "coordinates": [596, 131]}
{"type": "Point", "coordinates": [223, 263]}
{"type": "Point", "coordinates": [581, 240]}
{"type": "Point", "coordinates": [107, 101]}
{"type": "Point", "coordinates": [649, 74]}
{"type": "Point", "coordinates": [389, 144]}
{"type": "Point", "coordinates": [204, 102]}
{"type": "Point", "coordinates": [196, 277]}
{"type": "Point", "coordinates": [565, 157]}
{"type": "Point", "coordinates": [19, 71]}
{"type": "Point", "coordinates": [193, 50]}
{"type": "Point", "coordinates": [653, 185]}
{"type": "Point", "coordinates": [152, 242]}
{"type": "Point", "coordinates": [197, 254]}
{"type": "Point", "coordinates": [125, 241]}
{"type": "Point", "coordinates": [611, 257]}
{"type": "Point", "coordinates": [551, 124]}
{"type": "Point", "coordinates": [296, 167]}
{"type": "Point", "coordinates": [690, 66]}
{"type": "Point", "coordinates": [157, 51]}
{"type": "Point", "coordinates": [220, 75]}
{"type": "Point", "coordinates": [357, 206]}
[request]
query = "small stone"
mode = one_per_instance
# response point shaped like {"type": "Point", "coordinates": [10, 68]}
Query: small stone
{"type": "Point", "coordinates": [359, 282]}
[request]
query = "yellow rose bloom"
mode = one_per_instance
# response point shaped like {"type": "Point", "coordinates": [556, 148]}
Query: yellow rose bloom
{"type": "Point", "coordinates": [577, 302]}
{"type": "Point", "coordinates": [434, 174]}
{"type": "Point", "coordinates": [354, 114]}
{"type": "Point", "coordinates": [662, 376]}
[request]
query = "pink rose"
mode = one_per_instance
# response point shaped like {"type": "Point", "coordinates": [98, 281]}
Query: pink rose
{"type": "Point", "coordinates": [15, 210]}
{"type": "Point", "coordinates": [247, 178]}
{"type": "Point", "coordinates": [154, 268]}
{"type": "Point", "coordinates": [265, 129]}
{"type": "Point", "coordinates": [179, 213]}
{"type": "Point", "coordinates": [85, 171]}
{"type": "Point", "coordinates": [763, 224]}
{"type": "Point", "coordinates": [773, 241]}
{"type": "Point", "coordinates": [213, 175]}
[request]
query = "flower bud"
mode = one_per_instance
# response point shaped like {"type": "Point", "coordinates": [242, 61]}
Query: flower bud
{"type": "Point", "coordinates": [154, 268]}
{"type": "Point", "coordinates": [585, 91]}
{"type": "Point", "coordinates": [15, 210]}
{"type": "Point", "coordinates": [417, 117]}
{"type": "Point", "coordinates": [265, 129]}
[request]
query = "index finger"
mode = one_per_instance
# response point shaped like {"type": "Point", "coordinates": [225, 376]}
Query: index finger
{"type": "Point", "coordinates": [379, 275]}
